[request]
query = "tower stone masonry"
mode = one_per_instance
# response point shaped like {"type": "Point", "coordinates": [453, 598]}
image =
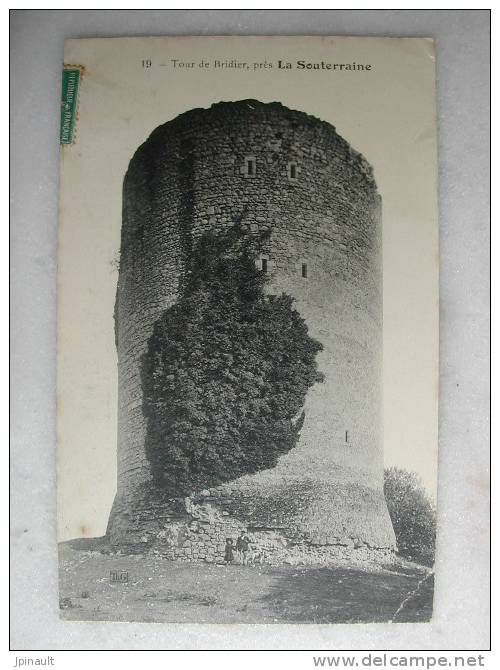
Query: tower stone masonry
{"type": "Point", "coordinates": [290, 175]}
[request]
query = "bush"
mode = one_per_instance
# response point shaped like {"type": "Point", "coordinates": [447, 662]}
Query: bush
{"type": "Point", "coordinates": [225, 374]}
{"type": "Point", "coordinates": [412, 514]}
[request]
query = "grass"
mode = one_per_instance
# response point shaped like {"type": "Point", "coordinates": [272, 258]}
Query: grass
{"type": "Point", "coordinates": [164, 591]}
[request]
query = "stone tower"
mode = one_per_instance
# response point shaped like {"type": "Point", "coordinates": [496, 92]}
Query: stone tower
{"type": "Point", "coordinates": [281, 171]}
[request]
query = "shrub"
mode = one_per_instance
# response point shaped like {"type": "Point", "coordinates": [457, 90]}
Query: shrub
{"type": "Point", "coordinates": [412, 514]}
{"type": "Point", "coordinates": [225, 374]}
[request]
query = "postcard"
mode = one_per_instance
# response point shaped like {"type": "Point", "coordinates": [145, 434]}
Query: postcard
{"type": "Point", "coordinates": [248, 330]}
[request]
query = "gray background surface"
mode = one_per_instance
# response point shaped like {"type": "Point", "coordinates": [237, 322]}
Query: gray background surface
{"type": "Point", "coordinates": [461, 619]}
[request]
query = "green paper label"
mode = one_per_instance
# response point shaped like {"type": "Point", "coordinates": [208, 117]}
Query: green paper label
{"type": "Point", "coordinates": [70, 81]}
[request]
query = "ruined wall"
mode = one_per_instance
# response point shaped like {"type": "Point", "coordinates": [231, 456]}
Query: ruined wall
{"type": "Point", "coordinates": [284, 173]}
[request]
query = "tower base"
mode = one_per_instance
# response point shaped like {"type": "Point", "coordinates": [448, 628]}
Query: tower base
{"type": "Point", "coordinates": [298, 521]}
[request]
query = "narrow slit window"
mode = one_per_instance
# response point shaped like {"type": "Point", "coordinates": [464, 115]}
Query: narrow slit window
{"type": "Point", "coordinates": [250, 167]}
{"type": "Point", "coordinates": [347, 436]}
{"type": "Point", "coordinates": [304, 270]}
{"type": "Point", "coordinates": [293, 171]}
{"type": "Point", "coordinates": [264, 265]}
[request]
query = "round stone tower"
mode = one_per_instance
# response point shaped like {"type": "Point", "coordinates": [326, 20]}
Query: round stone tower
{"type": "Point", "coordinates": [289, 175]}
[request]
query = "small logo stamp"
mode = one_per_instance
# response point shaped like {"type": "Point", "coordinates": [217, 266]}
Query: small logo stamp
{"type": "Point", "coordinates": [118, 576]}
{"type": "Point", "coordinates": [69, 97]}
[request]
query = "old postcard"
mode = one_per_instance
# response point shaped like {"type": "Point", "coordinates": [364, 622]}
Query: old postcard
{"type": "Point", "coordinates": [248, 330]}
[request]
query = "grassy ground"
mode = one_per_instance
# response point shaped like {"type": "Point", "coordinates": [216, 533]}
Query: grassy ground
{"type": "Point", "coordinates": [165, 591]}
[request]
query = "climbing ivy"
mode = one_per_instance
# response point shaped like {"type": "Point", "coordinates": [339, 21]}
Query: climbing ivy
{"type": "Point", "coordinates": [225, 374]}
